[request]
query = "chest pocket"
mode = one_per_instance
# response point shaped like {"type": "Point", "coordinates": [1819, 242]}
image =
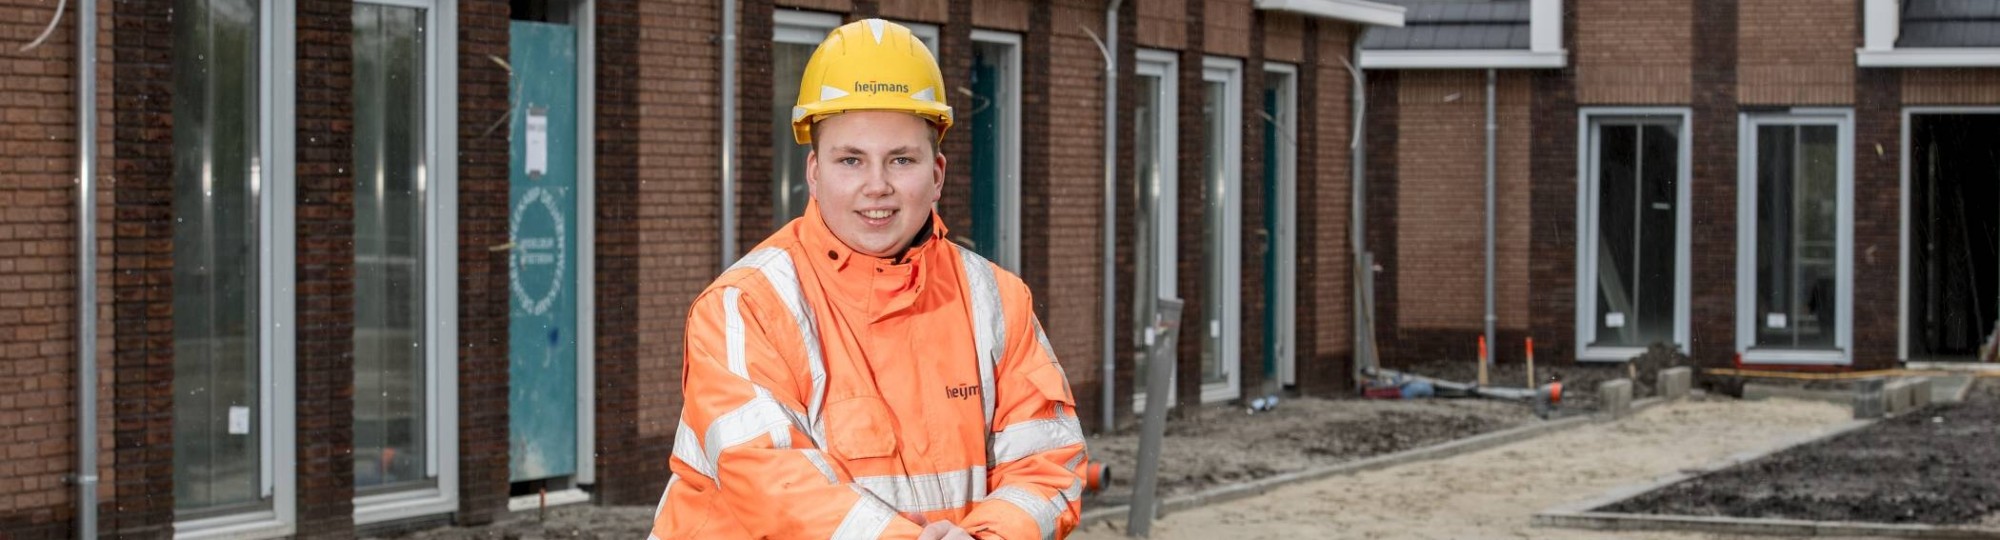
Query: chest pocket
{"type": "Point", "coordinates": [861, 427]}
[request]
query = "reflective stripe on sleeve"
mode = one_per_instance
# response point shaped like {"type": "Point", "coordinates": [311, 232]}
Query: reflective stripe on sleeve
{"type": "Point", "coordinates": [776, 267]}
{"type": "Point", "coordinates": [1032, 437]}
{"type": "Point", "coordinates": [1044, 511]}
{"type": "Point", "coordinates": [866, 520]}
{"type": "Point", "coordinates": [927, 492]}
{"type": "Point", "coordinates": [989, 323]}
{"type": "Point", "coordinates": [688, 449]}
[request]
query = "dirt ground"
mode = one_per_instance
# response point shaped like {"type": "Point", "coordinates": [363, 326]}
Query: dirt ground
{"type": "Point", "coordinates": [1224, 445]}
{"type": "Point", "coordinates": [1494, 493]}
{"type": "Point", "coordinates": [1580, 380]}
{"type": "Point", "coordinates": [1937, 466]}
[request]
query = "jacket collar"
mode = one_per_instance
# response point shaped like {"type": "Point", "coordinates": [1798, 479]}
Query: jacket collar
{"type": "Point", "coordinates": [826, 249]}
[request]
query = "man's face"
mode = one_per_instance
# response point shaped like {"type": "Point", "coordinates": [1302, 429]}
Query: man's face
{"type": "Point", "coordinates": [875, 176]}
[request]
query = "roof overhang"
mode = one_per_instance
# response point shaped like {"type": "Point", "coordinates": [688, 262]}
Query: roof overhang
{"type": "Point", "coordinates": [1463, 59]}
{"type": "Point", "coordinates": [1927, 57]}
{"type": "Point", "coordinates": [1357, 11]}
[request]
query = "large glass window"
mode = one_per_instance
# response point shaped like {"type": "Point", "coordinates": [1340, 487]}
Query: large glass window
{"type": "Point", "coordinates": [1797, 234]}
{"type": "Point", "coordinates": [993, 113]}
{"type": "Point", "coordinates": [1634, 192]}
{"type": "Point", "coordinates": [1280, 102]}
{"type": "Point", "coordinates": [1154, 123]}
{"type": "Point", "coordinates": [796, 35]}
{"type": "Point", "coordinates": [219, 421]}
{"type": "Point", "coordinates": [390, 375]}
{"type": "Point", "coordinates": [1222, 245]}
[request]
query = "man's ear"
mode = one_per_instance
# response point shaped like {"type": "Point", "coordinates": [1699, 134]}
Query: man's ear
{"type": "Point", "coordinates": [812, 173]}
{"type": "Point", "coordinates": [937, 177]}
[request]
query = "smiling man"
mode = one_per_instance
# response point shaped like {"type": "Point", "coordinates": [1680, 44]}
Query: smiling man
{"type": "Point", "coordinates": [857, 375]}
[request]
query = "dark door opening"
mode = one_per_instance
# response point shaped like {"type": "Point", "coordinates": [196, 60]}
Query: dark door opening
{"type": "Point", "coordinates": [1954, 296]}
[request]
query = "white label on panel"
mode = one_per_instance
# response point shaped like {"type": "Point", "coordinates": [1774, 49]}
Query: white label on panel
{"type": "Point", "coordinates": [239, 420]}
{"type": "Point", "coordinates": [538, 142]}
{"type": "Point", "coordinates": [1774, 320]}
{"type": "Point", "coordinates": [1214, 328]}
{"type": "Point", "coordinates": [1662, 206]}
{"type": "Point", "coordinates": [1614, 320]}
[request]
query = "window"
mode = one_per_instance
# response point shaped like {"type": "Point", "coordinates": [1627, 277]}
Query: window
{"type": "Point", "coordinates": [404, 450]}
{"type": "Point", "coordinates": [1634, 190]}
{"type": "Point", "coordinates": [796, 35]}
{"type": "Point", "coordinates": [1280, 123]}
{"type": "Point", "coordinates": [1795, 254]}
{"type": "Point", "coordinates": [232, 417]}
{"type": "Point", "coordinates": [1222, 245]}
{"type": "Point", "coordinates": [992, 112]}
{"type": "Point", "coordinates": [1155, 121]}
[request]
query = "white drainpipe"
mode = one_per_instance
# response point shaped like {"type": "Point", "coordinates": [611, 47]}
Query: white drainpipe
{"type": "Point", "coordinates": [728, 119]}
{"type": "Point", "coordinates": [86, 273]}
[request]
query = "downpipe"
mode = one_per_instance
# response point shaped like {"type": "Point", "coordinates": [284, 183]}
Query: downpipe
{"type": "Point", "coordinates": [86, 262]}
{"type": "Point", "coordinates": [1110, 315]}
{"type": "Point", "coordinates": [728, 120]}
{"type": "Point", "coordinates": [1492, 131]}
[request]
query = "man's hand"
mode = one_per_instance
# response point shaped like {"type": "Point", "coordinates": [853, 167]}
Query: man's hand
{"type": "Point", "coordinates": [942, 530]}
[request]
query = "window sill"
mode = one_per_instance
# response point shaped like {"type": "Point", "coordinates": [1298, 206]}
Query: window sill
{"type": "Point", "coordinates": [259, 524]}
{"type": "Point", "coordinates": [1830, 357]}
{"type": "Point", "coordinates": [402, 505]}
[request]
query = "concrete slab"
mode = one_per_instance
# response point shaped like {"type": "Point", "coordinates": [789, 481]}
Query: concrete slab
{"type": "Point", "coordinates": [1761, 391]}
{"type": "Point", "coordinates": [1950, 388]}
{"type": "Point", "coordinates": [1675, 382]}
{"type": "Point", "coordinates": [1614, 397]}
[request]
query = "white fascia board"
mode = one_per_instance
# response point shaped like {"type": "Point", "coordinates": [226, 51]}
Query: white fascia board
{"type": "Point", "coordinates": [1930, 57]}
{"type": "Point", "coordinates": [1882, 23]}
{"type": "Point", "coordinates": [1464, 59]}
{"type": "Point", "coordinates": [1357, 11]}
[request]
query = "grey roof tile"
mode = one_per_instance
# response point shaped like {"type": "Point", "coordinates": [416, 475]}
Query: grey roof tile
{"type": "Point", "coordinates": [1455, 25]}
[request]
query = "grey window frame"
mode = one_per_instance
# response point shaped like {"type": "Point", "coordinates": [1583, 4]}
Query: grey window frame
{"type": "Point", "coordinates": [1746, 237]}
{"type": "Point", "coordinates": [1587, 196]}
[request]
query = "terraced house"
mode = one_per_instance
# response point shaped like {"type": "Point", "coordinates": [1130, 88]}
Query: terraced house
{"type": "Point", "coordinates": [356, 266]}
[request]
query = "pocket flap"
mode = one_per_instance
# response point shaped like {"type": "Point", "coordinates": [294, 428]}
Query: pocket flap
{"type": "Point", "coordinates": [861, 427]}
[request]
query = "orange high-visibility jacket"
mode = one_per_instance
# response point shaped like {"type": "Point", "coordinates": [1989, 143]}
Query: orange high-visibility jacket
{"type": "Point", "coordinates": [830, 394]}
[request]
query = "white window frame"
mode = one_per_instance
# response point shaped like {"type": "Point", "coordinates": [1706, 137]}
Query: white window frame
{"type": "Point", "coordinates": [1164, 65]}
{"type": "Point", "coordinates": [1903, 328]}
{"type": "Point", "coordinates": [277, 352]}
{"type": "Point", "coordinates": [802, 27]}
{"type": "Point", "coordinates": [1882, 24]}
{"type": "Point", "coordinates": [1588, 195]}
{"type": "Point", "coordinates": [1746, 237]}
{"type": "Point", "coordinates": [1286, 237]}
{"type": "Point", "coordinates": [1228, 332]}
{"type": "Point", "coordinates": [925, 32]}
{"type": "Point", "coordinates": [440, 276]}
{"type": "Point", "coordinates": [1010, 147]}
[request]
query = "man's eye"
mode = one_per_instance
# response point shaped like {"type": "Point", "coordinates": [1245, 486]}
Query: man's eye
{"type": "Point", "coordinates": [905, 161]}
{"type": "Point", "coordinates": [850, 161]}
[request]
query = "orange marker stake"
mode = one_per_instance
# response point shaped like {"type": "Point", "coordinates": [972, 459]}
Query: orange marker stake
{"type": "Point", "coordinates": [1482, 360]}
{"type": "Point", "coordinates": [1531, 363]}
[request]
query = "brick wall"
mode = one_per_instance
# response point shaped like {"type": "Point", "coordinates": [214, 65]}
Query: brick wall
{"type": "Point", "coordinates": [954, 57]}
{"type": "Point", "coordinates": [1162, 24]}
{"type": "Point", "coordinates": [1552, 197]}
{"type": "Point", "coordinates": [1878, 217]}
{"type": "Point", "coordinates": [833, 6]}
{"type": "Point", "coordinates": [1713, 311]}
{"type": "Point", "coordinates": [1062, 190]}
{"type": "Point", "coordinates": [142, 257]}
{"type": "Point", "coordinates": [1442, 204]}
{"type": "Point", "coordinates": [1284, 37]}
{"type": "Point", "coordinates": [679, 216]}
{"type": "Point", "coordinates": [38, 317]}
{"type": "Point", "coordinates": [630, 467]}
{"type": "Point", "coordinates": [482, 272]}
{"type": "Point", "coordinates": [1382, 138]}
{"type": "Point", "coordinates": [1794, 52]}
{"type": "Point", "coordinates": [1951, 86]}
{"type": "Point", "coordinates": [1228, 30]}
{"type": "Point", "coordinates": [1632, 52]}
{"type": "Point", "coordinates": [1324, 344]}
{"type": "Point", "coordinates": [924, 11]}
{"type": "Point", "coordinates": [1011, 15]}
{"type": "Point", "coordinates": [1126, 340]}
{"type": "Point", "coordinates": [325, 229]}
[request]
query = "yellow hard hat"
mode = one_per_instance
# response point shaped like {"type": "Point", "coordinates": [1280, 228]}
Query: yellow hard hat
{"type": "Point", "coordinates": [870, 65]}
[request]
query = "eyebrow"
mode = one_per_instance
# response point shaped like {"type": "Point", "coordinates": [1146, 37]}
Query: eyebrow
{"type": "Point", "coordinates": [897, 151]}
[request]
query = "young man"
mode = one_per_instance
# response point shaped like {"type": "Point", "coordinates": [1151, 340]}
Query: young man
{"type": "Point", "coordinates": [857, 375]}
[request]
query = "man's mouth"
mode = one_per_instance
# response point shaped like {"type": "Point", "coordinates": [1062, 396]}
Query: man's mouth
{"type": "Point", "coordinates": [876, 217]}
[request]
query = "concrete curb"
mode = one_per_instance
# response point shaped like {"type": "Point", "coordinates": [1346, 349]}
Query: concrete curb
{"type": "Point", "coordinates": [1578, 515]}
{"type": "Point", "coordinates": [1442, 450]}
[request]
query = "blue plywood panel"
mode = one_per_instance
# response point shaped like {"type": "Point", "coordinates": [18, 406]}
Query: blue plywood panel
{"type": "Point", "coordinates": [542, 266]}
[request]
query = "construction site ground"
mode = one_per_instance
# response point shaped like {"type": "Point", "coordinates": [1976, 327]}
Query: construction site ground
{"type": "Point", "coordinates": [1494, 493]}
{"type": "Point", "coordinates": [1935, 466]}
{"type": "Point", "coordinates": [1223, 444]}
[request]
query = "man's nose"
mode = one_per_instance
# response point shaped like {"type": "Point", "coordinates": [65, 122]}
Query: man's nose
{"type": "Point", "coordinates": [875, 183]}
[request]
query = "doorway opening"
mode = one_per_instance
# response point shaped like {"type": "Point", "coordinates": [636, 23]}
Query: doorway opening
{"type": "Point", "coordinates": [1954, 228]}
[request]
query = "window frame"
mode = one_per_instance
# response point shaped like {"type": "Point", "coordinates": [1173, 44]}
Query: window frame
{"type": "Point", "coordinates": [1228, 331]}
{"type": "Point", "coordinates": [1010, 147]}
{"type": "Point", "coordinates": [440, 250]}
{"type": "Point", "coordinates": [1165, 66]}
{"type": "Point", "coordinates": [1746, 236]}
{"type": "Point", "coordinates": [1588, 195]}
{"type": "Point", "coordinates": [277, 351]}
{"type": "Point", "coordinates": [792, 27]}
{"type": "Point", "coordinates": [1285, 239]}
